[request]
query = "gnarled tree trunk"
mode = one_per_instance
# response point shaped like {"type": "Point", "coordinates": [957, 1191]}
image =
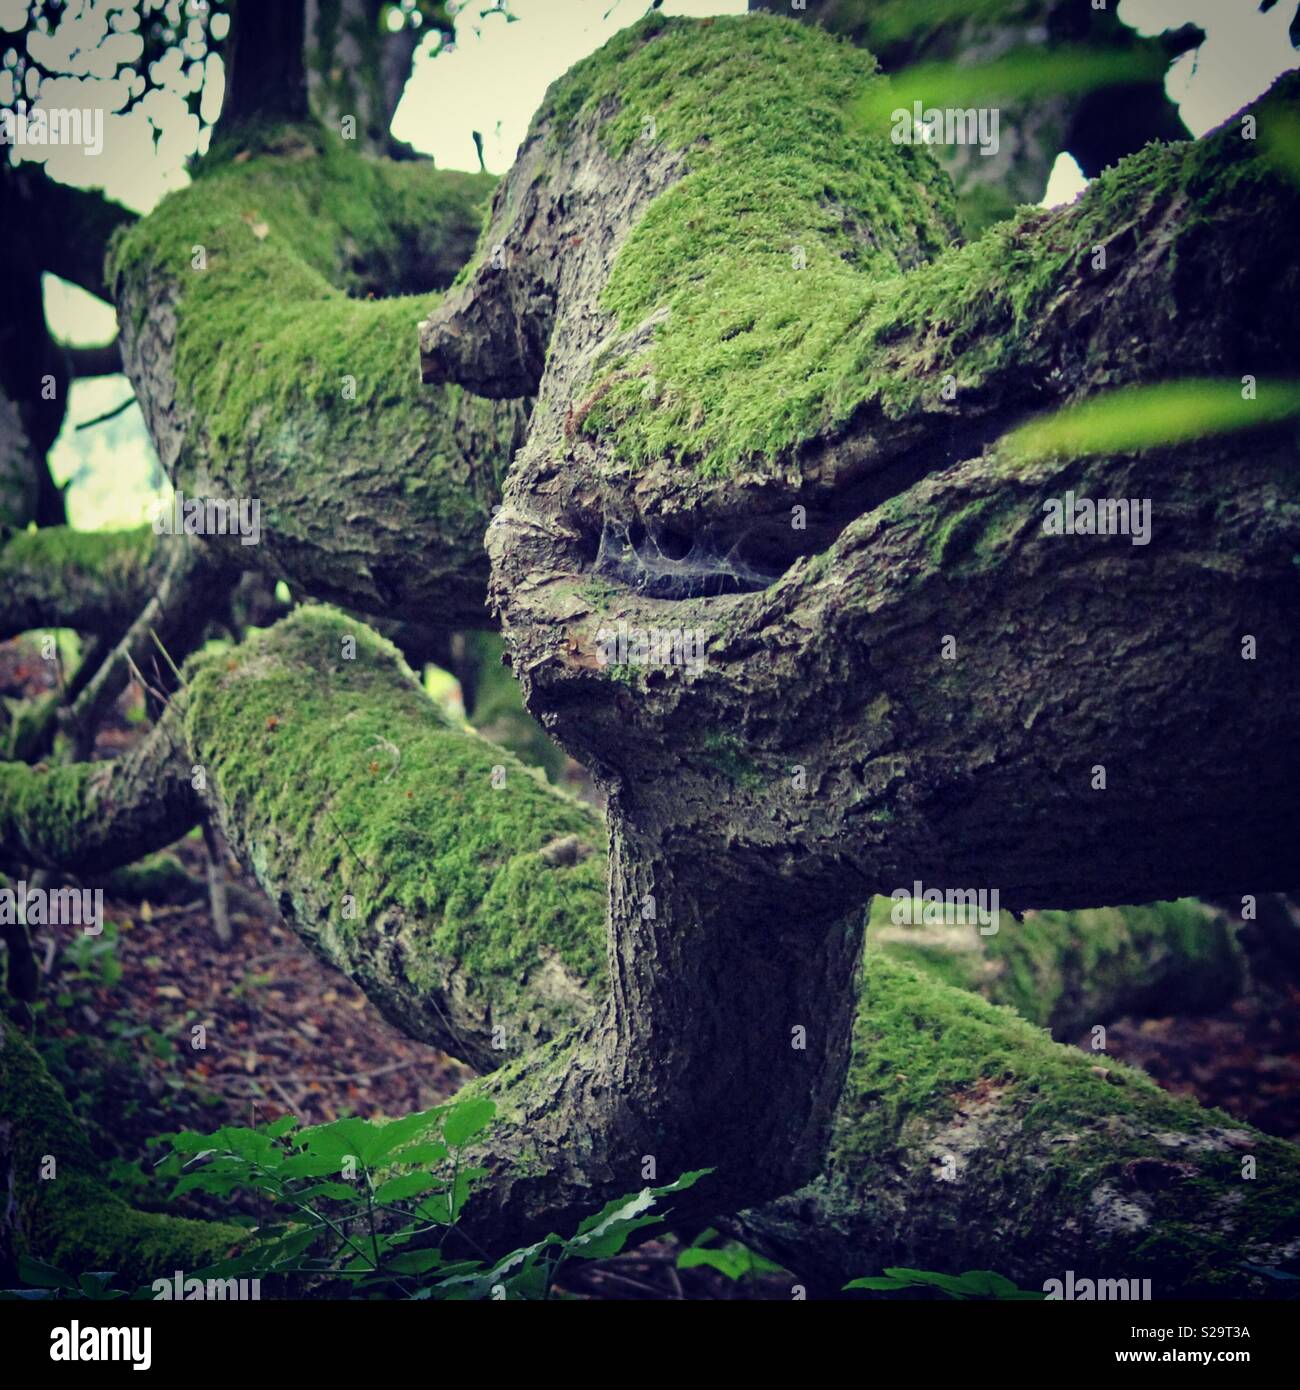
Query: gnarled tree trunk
{"type": "Point", "coordinates": [771, 394]}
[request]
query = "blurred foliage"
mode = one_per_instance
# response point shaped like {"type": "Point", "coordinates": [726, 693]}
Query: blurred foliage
{"type": "Point", "coordinates": [1021, 75]}
{"type": "Point", "coordinates": [1146, 417]}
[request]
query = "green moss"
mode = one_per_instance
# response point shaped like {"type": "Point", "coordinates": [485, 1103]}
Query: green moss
{"type": "Point", "coordinates": [777, 177]}
{"type": "Point", "coordinates": [111, 556]}
{"type": "Point", "coordinates": [156, 878]}
{"type": "Point", "coordinates": [923, 1051]}
{"type": "Point", "coordinates": [1182, 951]}
{"type": "Point", "coordinates": [70, 1219]}
{"type": "Point", "coordinates": [919, 1046]}
{"type": "Point", "coordinates": [277, 350]}
{"type": "Point", "coordinates": [45, 805]}
{"type": "Point", "coordinates": [347, 780]}
{"type": "Point", "coordinates": [757, 356]}
{"type": "Point", "coordinates": [25, 725]}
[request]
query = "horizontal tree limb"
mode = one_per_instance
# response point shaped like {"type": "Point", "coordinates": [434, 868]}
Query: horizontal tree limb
{"type": "Point", "coordinates": [67, 229]}
{"type": "Point", "coordinates": [1070, 971]}
{"type": "Point", "coordinates": [267, 369]}
{"type": "Point", "coordinates": [93, 581]}
{"type": "Point", "coordinates": [89, 817]}
{"type": "Point", "coordinates": [292, 736]}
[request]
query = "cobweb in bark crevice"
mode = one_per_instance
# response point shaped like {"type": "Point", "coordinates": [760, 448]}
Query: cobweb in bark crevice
{"type": "Point", "coordinates": [677, 565]}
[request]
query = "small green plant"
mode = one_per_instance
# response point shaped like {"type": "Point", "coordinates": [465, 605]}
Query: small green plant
{"type": "Point", "coordinates": [45, 1282]}
{"type": "Point", "coordinates": [975, 1283]}
{"type": "Point", "coordinates": [732, 1259]}
{"type": "Point", "coordinates": [91, 960]}
{"type": "Point", "coordinates": [374, 1205]}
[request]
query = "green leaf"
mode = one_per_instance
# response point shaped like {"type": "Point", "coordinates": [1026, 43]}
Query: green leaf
{"type": "Point", "coordinates": [305, 1165]}
{"type": "Point", "coordinates": [287, 1250]}
{"type": "Point", "coordinates": [876, 1281]}
{"type": "Point", "coordinates": [1021, 74]}
{"type": "Point", "coordinates": [414, 1262]}
{"type": "Point", "coordinates": [530, 1283]}
{"type": "Point", "coordinates": [395, 1133]}
{"type": "Point", "coordinates": [340, 1191]}
{"type": "Point", "coordinates": [342, 1139]}
{"type": "Point", "coordinates": [733, 1259]}
{"type": "Point", "coordinates": [407, 1185]}
{"type": "Point", "coordinates": [732, 1263]}
{"type": "Point", "coordinates": [986, 1282]}
{"type": "Point", "coordinates": [42, 1276]}
{"type": "Point", "coordinates": [186, 1141]}
{"type": "Point", "coordinates": [466, 1119]}
{"type": "Point", "coordinates": [1147, 417]}
{"type": "Point", "coordinates": [947, 1282]}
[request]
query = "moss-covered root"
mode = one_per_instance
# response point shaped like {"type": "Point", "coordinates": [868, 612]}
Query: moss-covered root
{"type": "Point", "coordinates": [966, 1138]}
{"type": "Point", "coordinates": [56, 1206]}
{"type": "Point", "coordinates": [95, 581]}
{"type": "Point", "coordinates": [463, 894]}
{"type": "Point", "coordinates": [1068, 971]}
{"type": "Point", "coordinates": [27, 726]}
{"type": "Point", "coordinates": [157, 878]}
{"type": "Point", "coordinates": [88, 817]}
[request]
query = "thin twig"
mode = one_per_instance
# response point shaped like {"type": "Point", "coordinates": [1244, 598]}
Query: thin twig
{"type": "Point", "coordinates": [108, 414]}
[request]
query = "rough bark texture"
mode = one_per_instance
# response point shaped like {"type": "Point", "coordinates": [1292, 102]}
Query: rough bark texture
{"type": "Point", "coordinates": [966, 1136]}
{"type": "Point", "coordinates": [825, 749]}
{"type": "Point", "coordinates": [1071, 653]}
{"type": "Point", "coordinates": [266, 76]}
{"type": "Point", "coordinates": [469, 901]}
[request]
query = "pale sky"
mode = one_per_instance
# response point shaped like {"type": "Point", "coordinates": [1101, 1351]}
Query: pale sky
{"type": "Point", "coordinates": [494, 83]}
{"type": "Point", "coordinates": [490, 81]}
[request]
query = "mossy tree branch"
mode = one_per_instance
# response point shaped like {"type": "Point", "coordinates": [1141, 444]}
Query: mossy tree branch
{"type": "Point", "coordinates": [1070, 971]}
{"type": "Point", "coordinates": [468, 900]}
{"type": "Point", "coordinates": [56, 1205]}
{"type": "Point", "coordinates": [663, 350]}
{"type": "Point", "coordinates": [87, 817]}
{"type": "Point", "coordinates": [94, 581]}
{"type": "Point", "coordinates": [266, 369]}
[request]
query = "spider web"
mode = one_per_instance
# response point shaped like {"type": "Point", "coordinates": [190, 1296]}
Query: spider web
{"type": "Point", "coordinates": [714, 564]}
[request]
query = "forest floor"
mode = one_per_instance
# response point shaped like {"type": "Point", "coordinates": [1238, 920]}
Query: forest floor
{"type": "Point", "coordinates": [287, 1034]}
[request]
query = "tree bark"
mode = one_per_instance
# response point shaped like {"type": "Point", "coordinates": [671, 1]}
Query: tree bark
{"type": "Point", "coordinates": [363, 849]}
{"type": "Point", "coordinates": [267, 374]}
{"type": "Point", "coordinates": [265, 78]}
{"type": "Point", "coordinates": [357, 68]}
